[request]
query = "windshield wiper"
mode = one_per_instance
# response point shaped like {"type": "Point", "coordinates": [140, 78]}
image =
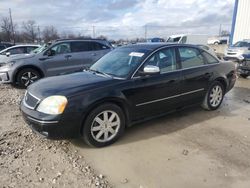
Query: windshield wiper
{"type": "Point", "coordinates": [99, 72]}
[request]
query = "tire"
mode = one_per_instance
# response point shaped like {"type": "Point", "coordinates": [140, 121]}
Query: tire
{"type": "Point", "coordinates": [216, 43]}
{"type": "Point", "coordinates": [95, 129]}
{"type": "Point", "coordinates": [217, 91]}
{"type": "Point", "coordinates": [27, 76]}
{"type": "Point", "coordinates": [244, 75]}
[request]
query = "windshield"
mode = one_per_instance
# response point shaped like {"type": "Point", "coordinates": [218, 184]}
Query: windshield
{"type": "Point", "coordinates": [176, 39]}
{"type": "Point", "coordinates": [40, 49]}
{"type": "Point", "coordinates": [241, 44]}
{"type": "Point", "coordinates": [120, 62]}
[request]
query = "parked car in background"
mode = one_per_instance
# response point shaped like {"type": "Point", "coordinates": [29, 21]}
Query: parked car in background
{"type": "Point", "coordinates": [244, 66]}
{"type": "Point", "coordinates": [4, 45]}
{"type": "Point", "coordinates": [156, 39]}
{"type": "Point", "coordinates": [64, 56]}
{"type": "Point", "coordinates": [128, 85]}
{"type": "Point", "coordinates": [237, 51]}
{"type": "Point", "coordinates": [188, 39]}
{"type": "Point", "coordinates": [18, 49]}
{"type": "Point", "coordinates": [214, 41]}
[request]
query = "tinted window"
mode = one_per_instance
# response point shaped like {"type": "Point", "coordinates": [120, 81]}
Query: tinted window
{"type": "Point", "coordinates": [210, 59]}
{"type": "Point", "coordinates": [98, 46]}
{"type": "Point", "coordinates": [164, 59]}
{"type": "Point", "coordinates": [20, 50]}
{"type": "Point", "coordinates": [190, 57]}
{"type": "Point", "coordinates": [61, 48]}
{"type": "Point", "coordinates": [30, 48]}
{"type": "Point", "coordinates": [80, 46]}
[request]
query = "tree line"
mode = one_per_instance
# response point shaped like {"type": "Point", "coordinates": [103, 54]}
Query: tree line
{"type": "Point", "coordinates": [30, 32]}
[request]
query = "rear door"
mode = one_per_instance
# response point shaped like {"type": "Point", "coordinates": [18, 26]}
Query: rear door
{"type": "Point", "coordinates": [196, 74]}
{"type": "Point", "coordinates": [99, 50]}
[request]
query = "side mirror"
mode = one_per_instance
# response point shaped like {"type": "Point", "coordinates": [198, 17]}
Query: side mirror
{"type": "Point", "coordinates": [51, 52]}
{"type": "Point", "coordinates": [150, 70]}
{"type": "Point", "coordinates": [7, 54]}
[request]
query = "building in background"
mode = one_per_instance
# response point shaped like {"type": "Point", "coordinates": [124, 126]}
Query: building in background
{"type": "Point", "coordinates": [241, 21]}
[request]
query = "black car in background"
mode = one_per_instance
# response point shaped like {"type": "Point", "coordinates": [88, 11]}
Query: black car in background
{"type": "Point", "coordinates": [127, 85]}
{"type": "Point", "coordinates": [4, 45]}
{"type": "Point", "coordinates": [244, 66]}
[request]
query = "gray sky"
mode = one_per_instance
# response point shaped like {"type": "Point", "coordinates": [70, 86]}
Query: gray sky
{"type": "Point", "coordinates": [124, 18]}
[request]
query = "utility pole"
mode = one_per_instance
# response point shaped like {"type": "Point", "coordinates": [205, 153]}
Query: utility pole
{"type": "Point", "coordinates": [12, 27]}
{"type": "Point", "coordinates": [146, 32]}
{"type": "Point", "coordinates": [220, 31]}
{"type": "Point", "coordinates": [39, 34]}
{"type": "Point", "coordinates": [93, 31]}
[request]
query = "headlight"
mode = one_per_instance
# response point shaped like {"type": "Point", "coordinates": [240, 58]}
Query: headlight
{"type": "Point", "coordinates": [53, 105]}
{"type": "Point", "coordinates": [6, 65]}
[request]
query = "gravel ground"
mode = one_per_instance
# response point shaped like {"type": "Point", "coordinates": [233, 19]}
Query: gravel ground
{"type": "Point", "coordinates": [27, 160]}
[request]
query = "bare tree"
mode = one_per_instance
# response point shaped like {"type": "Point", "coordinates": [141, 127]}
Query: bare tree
{"type": "Point", "coordinates": [6, 29]}
{"type": "Point", "coordinates": [30, 30]}
{"type": "Point", "coordinates": [50, 33]}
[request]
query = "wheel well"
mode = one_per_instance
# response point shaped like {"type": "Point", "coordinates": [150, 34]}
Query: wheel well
{"type": "Point", "coordinates": [112, 101]}
{"type": "Point", "coordinates": [223, 82]}
{"type": "Point", "coordinates": [28, 67]}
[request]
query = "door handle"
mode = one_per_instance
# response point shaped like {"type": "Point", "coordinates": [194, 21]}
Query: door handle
{"type": "Point", "coordinates": [207, 75]}
{"type": "Point", "coordinates": [67, 56]}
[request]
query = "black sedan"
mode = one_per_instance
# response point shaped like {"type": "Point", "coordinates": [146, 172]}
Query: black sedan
{"type": "Point", "coordinates": [130, 84]}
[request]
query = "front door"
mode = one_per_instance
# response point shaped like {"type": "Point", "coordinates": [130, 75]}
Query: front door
{"type": "Point", "coordinates": [57, 62]}
{"type": "Point", "coordinates": [157, 94]}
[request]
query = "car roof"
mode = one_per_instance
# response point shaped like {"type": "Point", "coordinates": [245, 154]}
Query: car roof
{"type": "Point", "coordinates": [154, 45]}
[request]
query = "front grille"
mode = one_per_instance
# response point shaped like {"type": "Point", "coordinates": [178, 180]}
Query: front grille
{"type": "Point", "coordinates": [231, 53]}
{"type": "Point", "coordinates": [31, 101]}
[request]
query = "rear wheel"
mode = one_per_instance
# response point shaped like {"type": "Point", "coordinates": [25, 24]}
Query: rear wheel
{"type": "Point", "coordinates": [214, 96]}
{"type": "Point", "coordinates": [104, 125]}
{"type": "Point", "coordinates": [244, 75]}
{"type": "Point", "coordinates": [26, 77]}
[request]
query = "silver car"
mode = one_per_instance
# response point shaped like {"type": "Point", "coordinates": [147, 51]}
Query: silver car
{"type": "Point", "coordinates": [238, 50]}
{"type": "Point", "coordinates": [63, 56]}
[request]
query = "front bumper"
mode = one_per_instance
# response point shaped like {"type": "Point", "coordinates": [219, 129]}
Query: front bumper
{"type": "Point", "coordinates": [60, 127]}
{"type": "Point", "coordinates": [4, 77]}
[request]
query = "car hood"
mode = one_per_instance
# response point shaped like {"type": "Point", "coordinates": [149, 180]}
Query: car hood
{"type": "Point", "coordinates": [69, 85]}
{"type": "Point", "coordinates": [6, 59]}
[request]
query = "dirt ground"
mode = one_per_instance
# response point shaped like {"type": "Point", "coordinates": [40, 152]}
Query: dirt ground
{"type": "Point", "coordinates": [192, 148]}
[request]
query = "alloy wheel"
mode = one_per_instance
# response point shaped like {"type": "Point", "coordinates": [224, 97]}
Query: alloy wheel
{"type": "Point", "coordinates": [28, 78]}
{"type": "Point", "coordinates": [105, 126]}
{"type": "Point", "coordinates": [216, 96]}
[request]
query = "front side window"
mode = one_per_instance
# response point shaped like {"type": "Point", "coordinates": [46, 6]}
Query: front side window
{"type": "Point", "coordinates": [190, 57]}
{"type": "Point", "coordinates": [61, 48]}
{"type": "Point", "coordinates": [164, 59]}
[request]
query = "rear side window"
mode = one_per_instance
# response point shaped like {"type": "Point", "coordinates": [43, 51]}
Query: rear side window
{"type": "Point", "coordinates": [98, 46]}
{"type": "Point", "coordinates": [190, 57]}
{"type": "Point", "coordinates": [80, 46]}
{"type": "Point", "coordinates": [210, 59]}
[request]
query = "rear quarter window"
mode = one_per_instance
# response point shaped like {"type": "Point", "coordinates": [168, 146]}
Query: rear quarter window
{"type": "Point", "coordinates": [191, 57]}
{"type": "Point", "coordinates": [210, 59]}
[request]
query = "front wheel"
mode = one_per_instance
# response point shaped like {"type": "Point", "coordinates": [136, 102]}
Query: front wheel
{"type": "Point", "coordinates": [104, 125]}
{"type": "Point", "coordinates": [214, 96]}
{"type": "Point", "coordinates": [26, 77]}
